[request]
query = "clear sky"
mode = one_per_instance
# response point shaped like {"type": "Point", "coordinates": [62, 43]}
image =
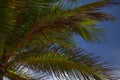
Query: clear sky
{"type": "Point", "coordinates": [110, 49]}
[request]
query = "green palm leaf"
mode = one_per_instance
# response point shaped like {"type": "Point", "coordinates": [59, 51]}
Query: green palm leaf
{"type": "Point", "coordinates": [55, 60]}
{"type": "Point", "coordinates": [43, 20]}
{"type": "Point", "coordinates": [22, 73]}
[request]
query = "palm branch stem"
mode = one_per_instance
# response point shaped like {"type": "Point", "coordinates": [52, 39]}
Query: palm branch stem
{"type": "Point", "coordinates": [38, 28]}
{"type": "Point", "coordinates": [15, 74]}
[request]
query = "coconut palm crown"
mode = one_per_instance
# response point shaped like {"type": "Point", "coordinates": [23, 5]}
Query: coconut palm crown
{"type": "Point", "coordinates": [36, 44]}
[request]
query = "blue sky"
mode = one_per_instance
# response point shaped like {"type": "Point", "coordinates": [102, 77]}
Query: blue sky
{"type": "Point", "coordinates": [110, 49]}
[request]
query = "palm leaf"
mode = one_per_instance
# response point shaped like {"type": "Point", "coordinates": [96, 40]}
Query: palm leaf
{"type": "Point", "coordinates": [93, 6]}
{"type": "Point", "coordinates": [13, 74]}
{"type": "Point", "coordinates": [56, 60]}
{"type": "Point", "coordinates": [90, 33]}
{"type": "Point", "coordinates": [54, 15]}
{"type": "Point", "coordinates": [22, 73]}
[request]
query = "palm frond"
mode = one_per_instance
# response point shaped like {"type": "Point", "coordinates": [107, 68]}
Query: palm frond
{"type": "Point", "coordinates": [13, 75]}
{"type": "Point", "coordinates": [51, 17]}
{"type": "Point", "coordinates": [49, 37]}
{"type": "Point", "coordinates": [100, 16]}
{"type": "Point", "coordinates": [24, 14]}
{"type": "Point", "coordinates": [93, 6]}
{"type": "Point", "coordinates": [56, 60]}
{"type": "Point", "coordinates": [90, 33]}
{"type": "Point", "coordinates": [22, 73]}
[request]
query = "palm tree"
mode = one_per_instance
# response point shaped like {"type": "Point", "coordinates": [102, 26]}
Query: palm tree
{"type": "Point", "coordinates": [29, 27]}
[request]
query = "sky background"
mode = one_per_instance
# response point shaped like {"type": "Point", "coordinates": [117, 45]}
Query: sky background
{"type": "Point", "coordinates": [110, 49]}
